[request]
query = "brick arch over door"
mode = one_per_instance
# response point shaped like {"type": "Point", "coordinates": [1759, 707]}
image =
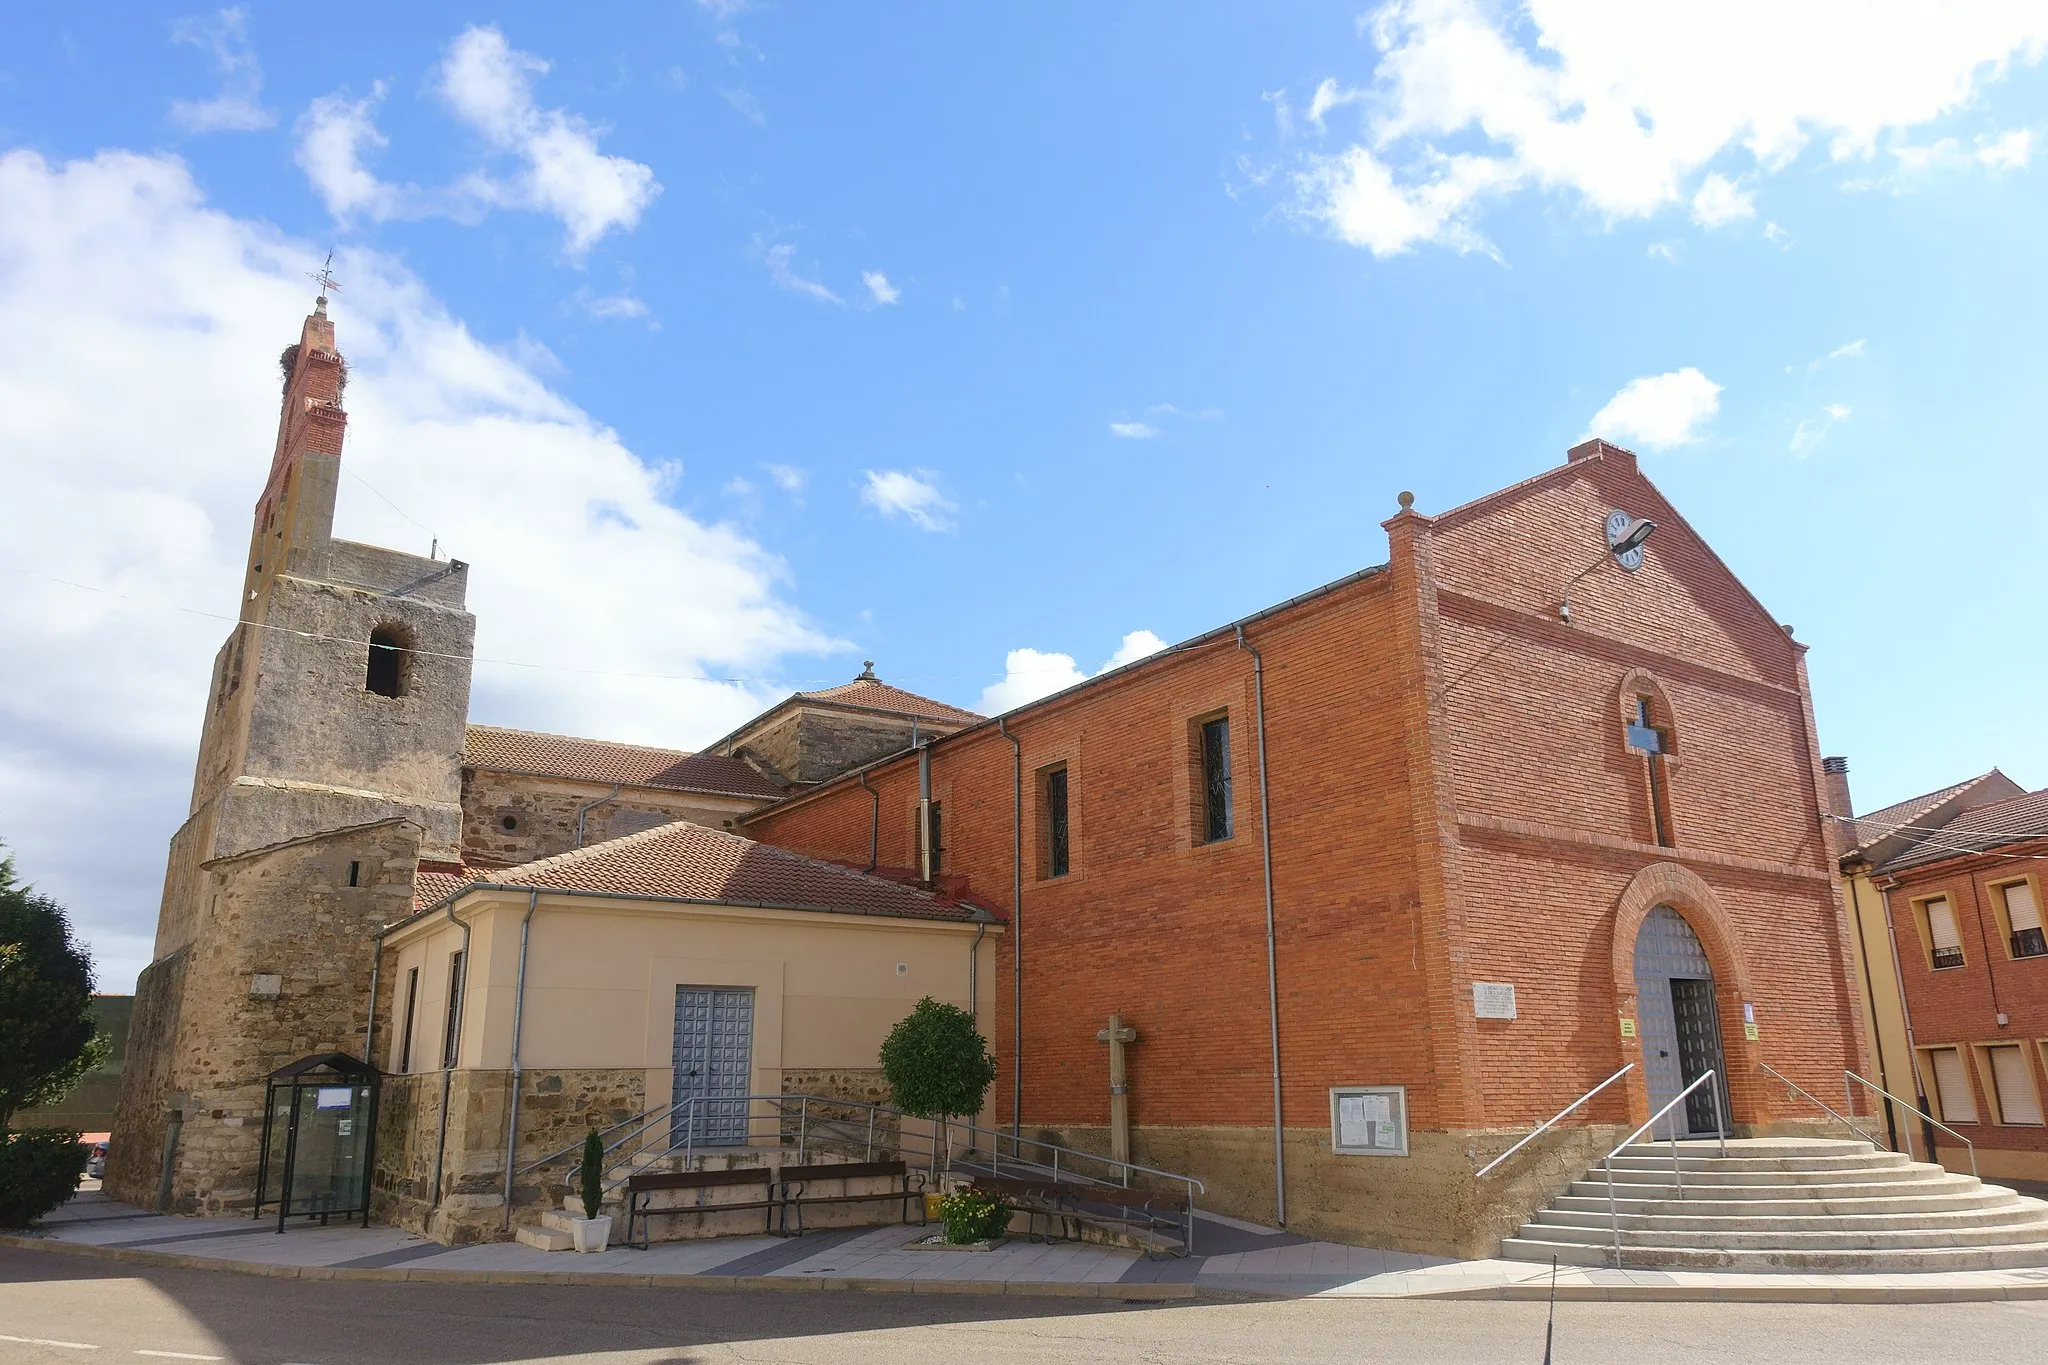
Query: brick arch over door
{"type": "Point", "coordinates": [1688, 893]}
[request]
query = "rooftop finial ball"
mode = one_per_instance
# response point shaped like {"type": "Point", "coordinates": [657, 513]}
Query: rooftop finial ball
{"type": "Point", "coordinates": [1407, 501]}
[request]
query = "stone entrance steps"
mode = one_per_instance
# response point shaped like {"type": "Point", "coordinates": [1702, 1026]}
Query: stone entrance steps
{"type": "Point", "coordinates": [1784, 1204]}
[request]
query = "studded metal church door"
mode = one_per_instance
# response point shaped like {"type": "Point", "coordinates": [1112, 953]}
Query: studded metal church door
{"type": "Point", "coordinates": [714, 1058]}
{"type": "Point", "coordinates": [1680, 1032]}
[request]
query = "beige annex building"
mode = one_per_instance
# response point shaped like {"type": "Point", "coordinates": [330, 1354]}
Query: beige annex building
{"type": "Point", "coordinates": [616, 980]}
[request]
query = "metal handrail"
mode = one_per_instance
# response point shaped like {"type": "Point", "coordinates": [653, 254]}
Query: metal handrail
{"type": "Point", "coordinates": [1848, 1076]}
{"type": "Point", "coordinates": [1677, 1174]}
{"type": "Point", "coordinates": [1845, 1122]}
{"type": "Point", "coordinates": [841, 1122]}
{"type": "Point", "coordinates": [1546, 1125]}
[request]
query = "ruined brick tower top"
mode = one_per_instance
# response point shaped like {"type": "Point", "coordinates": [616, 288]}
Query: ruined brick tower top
{"type": "Point", "coordinates": [341, 696]}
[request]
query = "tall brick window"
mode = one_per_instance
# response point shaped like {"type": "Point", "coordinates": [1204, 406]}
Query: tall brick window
{"type": "Point", "coordinates": [938, 837]}
{"type": "Point", "coordinates": [1653, 741]}
{"type": "Point", "coordinates": [1213, 756]}
{"type": "Point", "coordinates": [1056, 855]}
{"type": "Point", "coordinates": [385, 671]}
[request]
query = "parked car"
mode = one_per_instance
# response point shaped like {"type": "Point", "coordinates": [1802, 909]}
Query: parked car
{"type": "Point", "coordinates": [96, 1161]}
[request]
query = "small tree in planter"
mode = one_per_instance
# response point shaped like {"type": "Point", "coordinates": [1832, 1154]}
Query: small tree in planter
{"type": "Point", "coordinates": [939, 1067]}
{"type": "Point", "coordinates": [937, 1063]}
{"type": "Point", "coordinates": [593, 1232]}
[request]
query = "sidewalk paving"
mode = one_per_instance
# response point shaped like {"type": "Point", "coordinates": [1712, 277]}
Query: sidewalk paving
{"type": "Point", "coordinates": [1238, 1260]}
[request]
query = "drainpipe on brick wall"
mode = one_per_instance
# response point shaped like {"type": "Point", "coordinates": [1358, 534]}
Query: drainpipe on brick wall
{"type": "Point", "coordinates": [1016, 930]}
{"type": "Point", "coordinates": [582, 811]}
{"type": "Point", "coordinates": [974, 970]}
{"type": "Point", "coordinates": [1272, 945]}
{"type": "Point", "coordinates": [518, 1016]}
{"type": "Point", "coordinates": [924, 814]}
{"type": "Point", "coordinates": [452, 1051]}
{"type": "Point", "coordinates": [874, 819]}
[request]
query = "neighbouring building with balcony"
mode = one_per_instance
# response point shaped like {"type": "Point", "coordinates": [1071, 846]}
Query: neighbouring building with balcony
{"type": "Point", "coordinates": [1944, 894]}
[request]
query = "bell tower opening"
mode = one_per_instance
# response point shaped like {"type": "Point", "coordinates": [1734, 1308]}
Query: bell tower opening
{"type": "Point", "coordinates": [385, 673]}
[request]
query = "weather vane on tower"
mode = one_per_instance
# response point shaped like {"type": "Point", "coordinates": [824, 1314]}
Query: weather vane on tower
{"type": "Point", "coordinates": [324, 277]}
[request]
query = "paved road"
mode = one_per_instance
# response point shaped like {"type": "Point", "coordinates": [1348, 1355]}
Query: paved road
{"type": "Point", "coordinates": [62, 1309]}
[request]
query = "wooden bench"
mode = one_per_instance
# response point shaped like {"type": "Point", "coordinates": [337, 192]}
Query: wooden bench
{"type": "Point", "coordinates": [641, 1188]}
{"type": "Point", "coordinates": [794, 1182]}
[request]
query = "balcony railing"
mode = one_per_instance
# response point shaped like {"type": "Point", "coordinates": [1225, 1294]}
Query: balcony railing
{"type": "Point", "coordinates": [2029, 943]}
{"type": "Point", "coordinates": [1947, 957]}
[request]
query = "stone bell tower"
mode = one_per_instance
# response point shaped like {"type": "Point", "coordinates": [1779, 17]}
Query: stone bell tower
{"type": "Point", "coordinates": [329, 766]}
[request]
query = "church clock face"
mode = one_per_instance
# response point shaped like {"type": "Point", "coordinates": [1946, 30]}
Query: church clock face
{"type": "Point", "coordinates": [1617, 527]}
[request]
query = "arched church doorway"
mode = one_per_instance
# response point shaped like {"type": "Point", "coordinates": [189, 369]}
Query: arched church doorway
{"type": "Point", "coordinates": [1681, 1029]}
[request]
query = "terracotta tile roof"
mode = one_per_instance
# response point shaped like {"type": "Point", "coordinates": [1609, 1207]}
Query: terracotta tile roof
{"type": "Point", "coordinates": [1901, 817]}
{"type": "Point", "coordinates": [431, 883]}
{"type": "Point", "coordinates": [692, 862]}
{"type": "Point", "coordinates": [871, 692]}
{"type": "Point", "coordinates": [598, 760]}
{"type": "Point", "coordinates": [1976, 831]}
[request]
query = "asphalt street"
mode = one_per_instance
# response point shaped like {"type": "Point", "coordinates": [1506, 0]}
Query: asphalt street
{"type": "Point", "coordinates": [56, 1308]}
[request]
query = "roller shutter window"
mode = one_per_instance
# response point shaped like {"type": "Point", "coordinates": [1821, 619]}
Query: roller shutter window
{"type": "Point", "coordinates": [1952, 1085]}
{"type": "Point", "coordinates": [2025, 918]}
{"type": "Point", "coordinates": [1941, 932]}
{"type": "Point", "coordinates": [2017, 1102]}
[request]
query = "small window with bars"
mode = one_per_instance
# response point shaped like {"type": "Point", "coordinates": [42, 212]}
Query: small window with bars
{"type": "Point", "coordinates": [2023, 920]}
{"type": "Point", "coordinates": [1944, 941]}
{"type": "Point", "coordinates": [1052, 801]}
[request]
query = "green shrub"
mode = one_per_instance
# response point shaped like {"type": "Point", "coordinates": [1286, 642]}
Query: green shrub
{"type": "Point", "coordinates": [591, 1176]}
{"type": "Point", "coordinates": [971, 1216]}
{"type": "Point", "coordinates": [937, 1063]}
{"type": "Point", "coordinates": [39, 1169]}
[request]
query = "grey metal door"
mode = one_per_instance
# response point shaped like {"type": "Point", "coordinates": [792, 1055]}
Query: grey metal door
{"type": "Point", "coordinates": [1680, 1034]}
{"type": "Point", "coordinates": [714, 1058]}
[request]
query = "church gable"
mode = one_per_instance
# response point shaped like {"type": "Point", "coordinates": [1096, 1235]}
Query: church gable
{"type": "Point", "coordinates": [1529, 546]}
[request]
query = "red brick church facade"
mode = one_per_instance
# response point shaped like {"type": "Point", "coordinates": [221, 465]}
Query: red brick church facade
{"type": "Point", "coordinates": [1461, 789]}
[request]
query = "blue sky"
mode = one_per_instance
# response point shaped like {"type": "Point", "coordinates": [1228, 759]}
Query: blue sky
{"type": "Point", "coordinates": [738, 344]}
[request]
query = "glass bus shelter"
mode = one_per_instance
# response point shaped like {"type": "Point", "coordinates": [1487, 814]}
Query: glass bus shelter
{"type": "Point", "coordinates": [319, 1139]}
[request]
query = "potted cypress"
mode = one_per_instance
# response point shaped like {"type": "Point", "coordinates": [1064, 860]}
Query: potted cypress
{"type": "Point", "coordinates": [592, 1232]}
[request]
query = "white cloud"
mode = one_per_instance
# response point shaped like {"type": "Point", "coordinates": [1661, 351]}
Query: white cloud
{"type": "Point", "coordinates": [1029, 674]}
{"type": "Point", "coordinates": [879, 287]}
{"type": "Point", "coordinates": [1807, 436]}
{"type": "Point", "coordinates": [238, 108]}
{"type": "Point", "coordinates": [1659, 411]}
{"type": "Point", "coordinates": [2007, 151]}
{"type": "Point", "coordinates": [912, 496]}
{"type": "Point", "coordinates": [488, 85]}
{"type": "Point", "coordinates": [1663, 251]}
{"type": "Point", "coordinates": [743, 103]}
{"type": "Point", "coordinates": [1618, 107]}
{"type": "Point", "coordinates": [1848, 350]}
{"type": "Point", "coordinates": [1721, 201]}
{"type": "Point", "coordinates": [139, 334]}
{"type": "Point", "coordinates": [783, 272]}
{"type": "Point", "coordinates": [334, 136]}
{"type": "Point", "coordinates": [620, 307]}
{"type": "Point", "coordinates": [1133, 431]}
{"type": "Point", "coordinates": [788, 478]}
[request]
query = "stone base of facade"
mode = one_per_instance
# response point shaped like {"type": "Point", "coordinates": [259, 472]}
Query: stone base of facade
{"type": "Point", "coordinates": [1427, 1202]}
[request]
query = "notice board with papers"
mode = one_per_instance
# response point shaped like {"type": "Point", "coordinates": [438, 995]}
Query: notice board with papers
{"type": "Point", "coordinates": [1369, 1120]}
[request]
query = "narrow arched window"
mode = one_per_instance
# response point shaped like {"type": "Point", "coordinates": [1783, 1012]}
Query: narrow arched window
{"type": "Point", "coordinates": [385, 674]}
